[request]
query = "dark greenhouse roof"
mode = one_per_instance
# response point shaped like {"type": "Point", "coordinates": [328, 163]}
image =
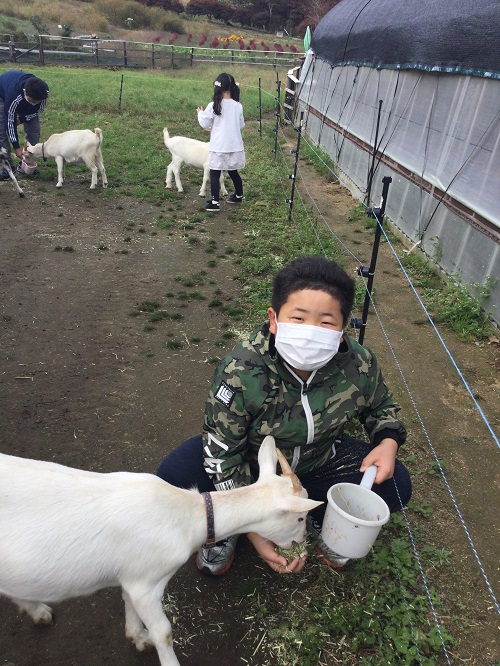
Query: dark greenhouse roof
{"type": "Point", "coordinates": [436, 35]}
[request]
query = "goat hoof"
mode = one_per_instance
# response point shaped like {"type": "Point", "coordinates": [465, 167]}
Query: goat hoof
{"type": "Point", "coordinates": [143, 643]}
{"type": "Point", "coordinates": [42, 615]}
{"type": "Point", "coordinates": [21, 194]}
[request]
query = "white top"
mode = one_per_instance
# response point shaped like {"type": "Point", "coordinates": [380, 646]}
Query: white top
{"type": "Point", "coordinates": [225, 134]}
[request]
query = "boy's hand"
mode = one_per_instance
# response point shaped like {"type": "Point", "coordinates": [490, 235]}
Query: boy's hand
{"type": "Point", "coordinates": [278, 563]}
{"type": "Point", "coordinates": [383, 456]}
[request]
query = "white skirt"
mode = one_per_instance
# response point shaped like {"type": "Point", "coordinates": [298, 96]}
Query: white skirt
{"type": "Point", "coordinates": [227, 161]}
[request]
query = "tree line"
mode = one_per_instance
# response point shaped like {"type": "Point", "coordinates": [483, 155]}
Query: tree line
{"type": "Point", "coordinates": [293, 16]}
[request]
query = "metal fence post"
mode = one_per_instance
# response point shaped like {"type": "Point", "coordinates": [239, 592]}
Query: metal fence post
{"type": "Point", "coordinates": [277, 113]}
{"type": "Point", "coordinates": [192, 57]}
{"type": "Point", "coordinates": [294, 175]}
{"type": "Point", "coordinates": [260, 107]}
{"type": "Point", "coordinates": [369, 271]}
{"type": "Point", "coordinates": [125, 58]}
{"type": "Point", "coordinates": [153, 55]}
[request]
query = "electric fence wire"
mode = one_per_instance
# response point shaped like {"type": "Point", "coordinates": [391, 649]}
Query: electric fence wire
{"type": "Point", "coordinates": [297, 228]}
{"type": "Point", "coordinates": [426, 586]}
{"type": "Point", "coordinates": [422, 305]}
{"type": "Point", "coordinates": [416, 553]}
{"type": "Point", "coordinates": [434, 453]}
{"type": "Point", "coordinates": [408, 390]}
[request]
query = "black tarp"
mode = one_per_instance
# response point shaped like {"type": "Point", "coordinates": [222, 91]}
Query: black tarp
{"type": "Point", "coordinates": [437, 35]}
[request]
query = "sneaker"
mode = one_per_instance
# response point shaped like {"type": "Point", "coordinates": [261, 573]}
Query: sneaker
{"type": "Point", "coordinates": [213, 206]}
{"type": "Point", "coordinates": [217, 559]}
{"type": "Point", "coordinates": [326, 555]}
{"type": "Point", "coordinates": [234, 198]}
{"type": "Point", "coordinates": [4, 175]}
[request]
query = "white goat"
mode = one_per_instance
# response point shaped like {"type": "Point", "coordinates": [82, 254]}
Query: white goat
{"type": "Point", "coordinates": [5, 164]}
{"type": "Point", "coordinates": [72, 146]}
{"type": "Point", "coordinates": [193, 153]}
{"type": "Point", "coordinates": [67, 532]}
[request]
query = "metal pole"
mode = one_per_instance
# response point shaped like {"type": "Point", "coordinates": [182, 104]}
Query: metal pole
{"type": "Point", "coordinates": [152, 55]}
{"type": "Point", "coordinates": [369, 272]}
{"type": "Point", "coordinates": [374, 154]}
{"type": "Point", "coordinates": [120, 100]}
{"type": "Point", "coordinates": [260, 107]}
{"type": "Point", "coordinates": [277, 114]}
{"type": "Point", "coordinates": [294, 175]}
{"type": "Point", "coordinates": [125, 59]}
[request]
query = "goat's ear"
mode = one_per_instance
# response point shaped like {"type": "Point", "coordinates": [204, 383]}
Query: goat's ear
{"type": "Point", "coordinates": [295, 504]}
{"type": "Point", "coordinates": [268, 458]}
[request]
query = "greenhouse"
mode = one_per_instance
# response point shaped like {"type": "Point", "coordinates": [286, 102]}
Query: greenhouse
{"type": "Point", "coordinates": [412, 90]}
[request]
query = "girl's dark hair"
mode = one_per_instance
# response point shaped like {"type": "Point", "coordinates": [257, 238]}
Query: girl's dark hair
{"type": "Point", "coordinates": [224, 83]}
{"type": "Point", "coordinates": [314, 273]}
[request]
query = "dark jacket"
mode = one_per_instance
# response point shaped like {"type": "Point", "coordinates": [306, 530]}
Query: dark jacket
{"type": "Point", "coordinates": [15, 106]}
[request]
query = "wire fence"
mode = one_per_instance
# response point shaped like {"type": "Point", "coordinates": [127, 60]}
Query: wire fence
{"type": "Point", "coordinates": [93, 52]}
{"type": "Point", "coordinates": [306, 205]}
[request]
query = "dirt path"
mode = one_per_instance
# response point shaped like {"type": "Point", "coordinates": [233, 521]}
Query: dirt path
{"type": "Point", "coordinates": [83, 383]}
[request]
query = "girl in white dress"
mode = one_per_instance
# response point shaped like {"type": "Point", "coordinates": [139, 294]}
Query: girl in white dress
{"type": "Point", "coordinates": [224, 118]}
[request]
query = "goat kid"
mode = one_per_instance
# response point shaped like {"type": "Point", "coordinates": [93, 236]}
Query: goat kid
{"type": "Point", "coordinates": [68, 532]}
{"type": "Point", "coordinates": [5, 164]}
{"type": "Point", "coordinates": [193, 153]}
{"type": "Point", "coordinates": [72, 146]}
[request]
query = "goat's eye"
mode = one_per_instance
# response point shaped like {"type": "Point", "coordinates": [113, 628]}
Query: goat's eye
{"type": "Point", "coordinates": [301, 520]}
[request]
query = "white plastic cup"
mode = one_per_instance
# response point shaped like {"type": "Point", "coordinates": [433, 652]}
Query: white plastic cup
{"type": "Point", "coordinates": [354, 517]}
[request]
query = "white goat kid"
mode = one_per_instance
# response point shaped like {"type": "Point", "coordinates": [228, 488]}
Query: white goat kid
{"type": "Point", "coordinates": [193, 153]}
{"type": "Point", "coordinates": [5, 164]}
{"type": "Point", "coordinates": [72, 146]}
{"type": "Point", "coordinates": [67, 532]}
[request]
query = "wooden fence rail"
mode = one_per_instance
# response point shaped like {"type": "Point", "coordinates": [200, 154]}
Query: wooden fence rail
{"type": "Point", "coordinates": [50, 49]}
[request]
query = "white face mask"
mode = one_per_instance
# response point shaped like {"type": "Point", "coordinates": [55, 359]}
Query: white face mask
{"type": "Point", "coordinates": [306, 347]}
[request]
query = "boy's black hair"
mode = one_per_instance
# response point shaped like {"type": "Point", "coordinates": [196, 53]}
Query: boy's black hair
{"type": "Point", "coordinates": [314, 273]}
{"type": "Point", "coordinates": [224, 83]}
{"type": "Point", "coordinates": [37, 89]}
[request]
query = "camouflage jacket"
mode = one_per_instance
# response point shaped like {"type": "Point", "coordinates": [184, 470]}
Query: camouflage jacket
{"type": "Point", "coordinates": [254, 394]}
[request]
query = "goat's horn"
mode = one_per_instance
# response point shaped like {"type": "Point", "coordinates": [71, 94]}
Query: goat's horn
{"type": "Point", "coordinates": [287, 471]}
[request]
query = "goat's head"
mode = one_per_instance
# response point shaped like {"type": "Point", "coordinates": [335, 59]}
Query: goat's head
{"type": "Point", "coordinates": [28, 152]}
{"type": "Point", "coordinates": [288, 499]}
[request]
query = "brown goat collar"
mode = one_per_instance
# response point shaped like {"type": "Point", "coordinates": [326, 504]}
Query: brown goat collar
{"type": "Point", "coordinates": [210, 519]}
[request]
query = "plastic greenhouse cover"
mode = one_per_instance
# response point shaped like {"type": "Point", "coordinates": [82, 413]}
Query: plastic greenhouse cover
{"type": "Point", "coordinates": [434, 35]}
{"type": "Point", "coordinates": [444, 129]}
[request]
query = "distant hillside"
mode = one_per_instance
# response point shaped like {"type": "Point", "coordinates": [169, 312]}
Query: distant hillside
{"type": "Point", "coordinates": [130, 20]}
